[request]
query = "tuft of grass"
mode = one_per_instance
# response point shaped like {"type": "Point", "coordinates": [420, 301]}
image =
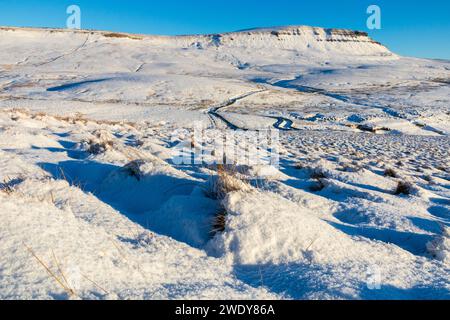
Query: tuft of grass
{"type": "Point", "coordinates": [404, 188]}
{"type": "Point", "coordinates": [99, 147]}
{"type": "Point", "coordinates": [390, 173]}
{"type": "Point", "coordinates": [317, 174]}
{"type": "Point", "coordinates": [351, 167]}
{"type": "Point", "coordinates": [228, 180]}
{"type": "Point", "coordinates": [6, 187]}
{"type": "Point", "coordinates": [102, 142]}
{"type": "Point", "coordinates": [134, 169]}
{"type": "Point", "coordinates": [317, 186]}
{"type": "Point", "coordinates": [319, 177]}
{"type": "Point", "coordinates": [219, 221]}
{"type": "Point", "coordinates": [299, 166]}
{"type": "Point", "coordinates": [60, 279]}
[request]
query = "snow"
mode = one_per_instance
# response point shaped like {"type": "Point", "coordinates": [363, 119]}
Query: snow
{"type": "Point", "coordinates": [264, 228]}
{"type": "Point", "coordinates": [440, 247]}
{"type": "Point", "coordinates": [94, 204]}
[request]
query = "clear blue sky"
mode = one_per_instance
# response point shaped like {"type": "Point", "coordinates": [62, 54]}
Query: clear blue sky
{"type": "Point", "coordinates": [409, 27]}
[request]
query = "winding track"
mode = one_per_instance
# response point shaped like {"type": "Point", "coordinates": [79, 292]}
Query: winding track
{"type": "Point", "coordinates": [64, 54]}
{"type": "Point", "coordinates": [214, 114]}
{"type": "Point", "coordinates": [283, 124]}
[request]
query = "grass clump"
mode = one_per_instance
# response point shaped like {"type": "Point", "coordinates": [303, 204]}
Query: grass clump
{"type": "Point", "coordinates": [228, 180]}
{"type": "Point", "coordinates": [219, 222]}
{"type": "Point", "coordinates": [6, 187]}
{"type": "Point", "coordinates": [404, 188]}
{"type": "Point", "coordinates": [133, 169]}
{"type": "Point", "coordinates": [318, 176]}
{"type": "Point", "coordinates": [390, 173]}
{"type": "Point", "coordinates": [99, 147]}
{"type": "Point", "coordinates": [102, 142]}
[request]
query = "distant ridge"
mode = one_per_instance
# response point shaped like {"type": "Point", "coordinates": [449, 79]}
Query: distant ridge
{"type": "Point", "coordinates": [300, 38]}
{"type": "Point", "coordinates": [273, 30]}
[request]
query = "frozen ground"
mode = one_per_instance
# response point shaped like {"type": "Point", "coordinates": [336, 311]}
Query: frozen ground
{"type": "Point", "coordinates": [94, 206]}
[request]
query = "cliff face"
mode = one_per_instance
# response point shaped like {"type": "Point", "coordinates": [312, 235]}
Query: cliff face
{"type": "Point", "coordinates": [302, 38]}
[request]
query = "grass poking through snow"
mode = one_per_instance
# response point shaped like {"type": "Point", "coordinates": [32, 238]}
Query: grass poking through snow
{"type": "Point", "coordinates": [60, 279]}
{"type": "Point", "coordinates": [404, 188]}
{"type": "Point", "coordinates": [6, 187]}
{"type": "Point", "coordinates": [390, 173]}
{"type": "Point", "coordinates": [228, 180]}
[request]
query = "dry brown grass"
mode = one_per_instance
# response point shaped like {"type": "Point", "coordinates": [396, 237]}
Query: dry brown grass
{"type": "Point", "coordinates": [7, 67]}
{"type": "Point", "coordinates": [122, 36]}
{"type": "Point", "coordinates": [60, 278]}
{"type": "Point", "coordinates": [228, 180]}
{"type": "Point", "coordinates": [318, 176]}
{"type": "Point", "coordinates": [133, 169]}
{"type": "Point", "coordinates": [390, 173]}
{"type": "Point", "coordinates": [99, 147]}
{"type": "Point", "coordinates": [9, 187]}
{"type": "Point", "coordinates": [77, 118]}
{"type": "Point", "coordinates": [442, 80]}
{"type": "Point", "coordinates": [6, 186]}
{"type": "Point", "coordinates": [102, 142]}
{"type": "Point", "coordinates": [219, 222]}
{"type": "Point", "coordinates": [404, 187]}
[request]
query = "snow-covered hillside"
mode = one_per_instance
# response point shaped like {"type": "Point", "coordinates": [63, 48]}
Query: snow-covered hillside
{"type": "Point", "coordinates": [95, 205]}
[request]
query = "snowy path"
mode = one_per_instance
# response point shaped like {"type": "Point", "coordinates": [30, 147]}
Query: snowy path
{"type": "Point", "coordinates": [283, 124]}
{"type": "Point", "coordinates": [214, 111]}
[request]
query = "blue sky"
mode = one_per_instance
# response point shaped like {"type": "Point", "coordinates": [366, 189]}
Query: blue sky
{"type": "Point", "coordinates": [409, 27]}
